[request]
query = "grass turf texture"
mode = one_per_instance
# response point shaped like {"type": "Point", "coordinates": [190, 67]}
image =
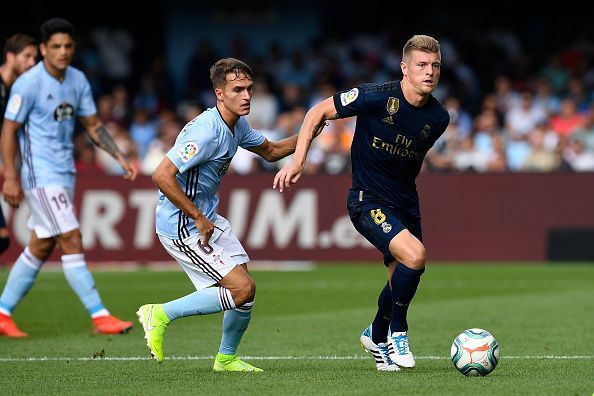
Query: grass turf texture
{"type": "Point", "coordinates": [312, 321]}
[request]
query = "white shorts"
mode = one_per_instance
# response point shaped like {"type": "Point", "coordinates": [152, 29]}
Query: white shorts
{"type": "Point", "coordinates": [206, 266]}
{"type": "Point", "coordinates": [52, 212]}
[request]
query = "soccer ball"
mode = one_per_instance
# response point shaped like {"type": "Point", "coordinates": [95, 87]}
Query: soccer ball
{"type": "Point", "coordinates": [475, 352]}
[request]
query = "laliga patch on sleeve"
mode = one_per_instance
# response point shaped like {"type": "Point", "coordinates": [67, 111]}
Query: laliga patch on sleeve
{"type": "Point", "coordinates": [349, 97]}
{"type": "Point", "coordinates": [14, 104]}
{"type": "Point", "coordinates": [187, 152]}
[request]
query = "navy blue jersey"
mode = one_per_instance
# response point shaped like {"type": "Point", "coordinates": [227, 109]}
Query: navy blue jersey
{"type": "Point", "coordinates": [391, 140]}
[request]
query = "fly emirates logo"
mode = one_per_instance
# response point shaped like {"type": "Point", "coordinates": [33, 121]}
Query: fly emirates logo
{"type": "Point", "coordinates": [400, 147]}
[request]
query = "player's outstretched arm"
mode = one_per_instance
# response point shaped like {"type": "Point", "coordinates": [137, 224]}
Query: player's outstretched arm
{"type": "Point", "coordinates": [102, 139]}
{"type": "Point", "coordinates": [273, 151]}
{"type": "Point", "coordinates": [13, 192]}
{"type": "Point", "coordinates": [314, 122]}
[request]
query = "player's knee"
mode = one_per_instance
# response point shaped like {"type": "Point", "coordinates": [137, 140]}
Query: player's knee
{"type": "Point", "coordinates": [245, 293]}
{"type": "Point", "coordinates": [416, 258]}
{"type": "Point", "coordinates": [249, 290]}
{"type": "Point", "coordinates": [247, 307]}
{"type": "Point", "coordinates": [42, 248]}
{"type": "Point", "coordinates": [4, 244]}
{"type": "Point", "coordinates": [252, 291]}
{"type": "Point", "coordinates": [71, 242]}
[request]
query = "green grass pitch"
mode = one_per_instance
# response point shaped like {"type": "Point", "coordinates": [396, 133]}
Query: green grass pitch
{"type": "Point", "coordinates": [305, 334]}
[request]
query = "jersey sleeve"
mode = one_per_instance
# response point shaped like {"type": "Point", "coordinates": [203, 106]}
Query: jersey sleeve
{"type": "Point", "coordinates": [86, 106]}
{"type": "Point", "coordinates": [195, 145]}
{"type": "Point", "coordinates": [350, 103]}
{"type": "Point", "coordinates": [21, 101]}
{"type": "Point", "coordinates": [249, 137]}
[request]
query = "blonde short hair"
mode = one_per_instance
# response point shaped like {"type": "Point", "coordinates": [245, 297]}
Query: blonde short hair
{"type": "Point", "coordinates": [420, 42]}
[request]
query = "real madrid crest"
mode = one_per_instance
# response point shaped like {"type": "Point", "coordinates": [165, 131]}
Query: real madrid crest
{"type": "Point", "coordinates": [392, 105]}
{"type": "Point", "coordinates": [426, 131]}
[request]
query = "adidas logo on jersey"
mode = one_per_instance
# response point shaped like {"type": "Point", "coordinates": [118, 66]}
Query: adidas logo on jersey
{"type": "Point", "coordinates": [388, 120]}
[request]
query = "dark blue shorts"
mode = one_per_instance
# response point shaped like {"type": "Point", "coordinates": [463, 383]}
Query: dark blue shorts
{"type": "Point", "coordinates": [379, 223]}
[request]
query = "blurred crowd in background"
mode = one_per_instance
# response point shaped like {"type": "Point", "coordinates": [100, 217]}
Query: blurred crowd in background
{"type": "Point", "coordinates": [510, 111]}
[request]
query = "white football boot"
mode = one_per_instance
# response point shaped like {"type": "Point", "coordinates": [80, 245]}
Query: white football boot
{"type": "Point", "coordinates": [380, 352]}
{"type": "Point", "coordinates": [400, 352]}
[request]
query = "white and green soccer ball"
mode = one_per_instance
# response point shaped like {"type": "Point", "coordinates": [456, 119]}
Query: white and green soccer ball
{"type": "Point", "coordinates": [475, 352]}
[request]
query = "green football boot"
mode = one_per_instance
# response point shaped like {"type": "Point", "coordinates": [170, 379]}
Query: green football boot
{"type": "Point", "coordinates": [232, 363]}
{"type": "Point", "coordinates": [154, 322]}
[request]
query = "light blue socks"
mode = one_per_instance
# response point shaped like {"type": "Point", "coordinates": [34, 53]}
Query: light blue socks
{"type": "Point", "coordinates": [235, 322]}
{"type": "Point", "coordinates": [20, 280]}
{"type": "Point", "coordinates": [81, 281]}
{"type": "Point", "coordinates": [201, 302]}
{"type": "Point", "coordinates": [212, 300]}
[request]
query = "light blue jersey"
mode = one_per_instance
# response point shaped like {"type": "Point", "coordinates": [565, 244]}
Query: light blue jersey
{"type": "Point", "coordinates": [202, 153]}
{"type": "Point", "coordinates": [47, 108]}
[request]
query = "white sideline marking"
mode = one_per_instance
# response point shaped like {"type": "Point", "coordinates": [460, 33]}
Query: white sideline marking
{"type": "Point", "coordinates": [354, 357]}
